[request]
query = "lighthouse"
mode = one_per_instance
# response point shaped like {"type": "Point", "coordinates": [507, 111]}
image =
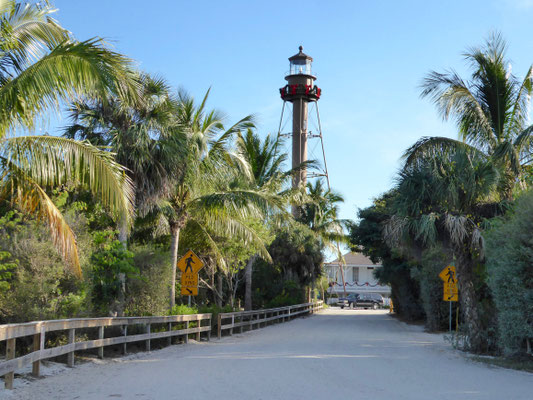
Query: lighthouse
{"type": "Point", "coordinates": [301, 91]}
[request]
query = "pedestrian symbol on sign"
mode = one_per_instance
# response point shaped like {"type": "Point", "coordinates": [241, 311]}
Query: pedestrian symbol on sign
{"type": "Point", "coordinates": [448, 275]}
{"type": "Point", "coordinates": [451, 275]}
{"type": "Point", "coordinates": [189, 260]}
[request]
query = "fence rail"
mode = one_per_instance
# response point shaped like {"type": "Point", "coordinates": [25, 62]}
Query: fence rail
{"type": "Point", "coordinates": [38, 331]}
{"type": "Point", "coordinates": [250, 319]}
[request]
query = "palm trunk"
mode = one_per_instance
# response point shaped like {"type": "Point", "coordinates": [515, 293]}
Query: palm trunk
{"type": "Point", "coordinates": [123, 238]}
{"type": "Point", "coordinates": [248, 271]}
{"type": "Point", "coordinates": [175, 231]}
{"type": "Point", "coordinates": [468, 301]}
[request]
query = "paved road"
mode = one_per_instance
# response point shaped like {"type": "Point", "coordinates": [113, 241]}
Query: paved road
{"type": "Point", "coordinates": [338, 354]}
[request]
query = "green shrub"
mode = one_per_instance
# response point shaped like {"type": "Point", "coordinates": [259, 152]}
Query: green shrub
{"type": "Point", "coordinates": [182, 309]}
{"type": "Point", "coordinates": [149, 294]}
{"type": "Point", "coordinates": [108, 261]}
{"type": "Point", "coordinates": [433, 261]}
{"type": "Point", "coordinates": [40, 287]}
{"type": "Point", "coordinates": [509, 252]}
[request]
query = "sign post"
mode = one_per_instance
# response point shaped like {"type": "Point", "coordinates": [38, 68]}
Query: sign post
{"type": "Point", "coordinates": [189, 265]}
{"type": "Point", "coordinates": [450, 290]}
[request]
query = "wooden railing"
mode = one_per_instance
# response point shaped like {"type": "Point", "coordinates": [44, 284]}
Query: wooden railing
{"type": "Point", "coordinates": [38, 331]}
{"type": "Point", "coordinates": [251, 319]}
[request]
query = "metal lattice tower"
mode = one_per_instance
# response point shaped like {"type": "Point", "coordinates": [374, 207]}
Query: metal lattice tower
{"type": "Point", "coordinates": [301, 92]}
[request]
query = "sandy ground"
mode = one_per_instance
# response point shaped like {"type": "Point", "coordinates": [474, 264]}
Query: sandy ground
{"type": "Point", "coordinates": [337, 354]}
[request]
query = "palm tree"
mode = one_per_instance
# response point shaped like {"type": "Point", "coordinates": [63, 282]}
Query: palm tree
{"type": "Point", "coordinates": [208, 196]}
{"type": "Point", "coordinates": [40, 66]}
{"type": "Point", "coordinates": [444, 198]}
{"type": "Point", "coordinates": [491, 111]}
{"type": "Point", "coordinates": [145, 136]}
{"type": "Point", "coordinates": [265, 161]}
{"type": "Point", "coordinates": [320, 213]}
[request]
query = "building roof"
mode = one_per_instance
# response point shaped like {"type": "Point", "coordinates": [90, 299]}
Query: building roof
{"type": "Point", "coordinates": [353, 258]}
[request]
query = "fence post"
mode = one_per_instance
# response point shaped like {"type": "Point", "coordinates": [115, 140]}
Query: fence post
{"type": "Point", "coordinates": [169, 340]}
{"type": "Point", "coordinates": [38, 344]}
{"type": "Point", "coordinates": [186, 335]}
{"type": "Point", "coordinates": [10, 354]}
{"type": "Point", "coordinates": [71, 341]}
{"type": "Point", "coordinates": [101, 337]}
{"type": "Point", "coordinates": [209, 331]}
{"type": "Point", "coordinates": [219, 326]}
{"type": "Point", "coordinates": [148, 340]}
{"type": "Point", "coordinates": [125, 345]}
{"type": "Point", "coordinates": [232, 323]}
{"type": "Point", "coordinates": [199, 333]}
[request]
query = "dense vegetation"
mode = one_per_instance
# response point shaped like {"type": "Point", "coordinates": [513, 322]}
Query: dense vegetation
{"type": "Point", "coordinates": [93, 218]}
{"type": "Point", "coordinates": [455, 202]}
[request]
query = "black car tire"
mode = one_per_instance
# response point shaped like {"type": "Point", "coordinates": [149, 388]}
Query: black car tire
{"type": "Point", "coordinates": [342, 307]}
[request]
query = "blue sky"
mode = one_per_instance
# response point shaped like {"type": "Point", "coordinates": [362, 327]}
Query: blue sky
{"type": "Point", "coordinates": [369, 56]}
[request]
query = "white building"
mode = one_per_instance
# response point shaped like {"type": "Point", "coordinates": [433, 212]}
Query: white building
{"type": "Point", "coordinates": [358, 275]}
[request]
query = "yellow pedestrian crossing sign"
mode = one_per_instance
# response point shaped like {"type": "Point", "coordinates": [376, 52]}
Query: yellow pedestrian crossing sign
{"type": "Point", "coordinates": [450, 290]}
{"type": "Point", "coordinates": [190, 263]}
{"type": "Point", "coordinates": [448, 274]}
{"type": "Point", "coordinates": [189, 266]}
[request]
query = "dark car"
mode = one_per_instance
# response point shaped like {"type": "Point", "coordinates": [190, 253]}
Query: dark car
{"type": "Point", "coordinates": [365, 300]}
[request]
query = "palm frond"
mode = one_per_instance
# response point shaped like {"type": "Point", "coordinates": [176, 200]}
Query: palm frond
{"type": "Point", "coordinates": [71, 69]}
{"type": "Point", "coordinates": [506, 153]}
{"type": "Point", "coordinates": [51, 161]}
{"type": "Point", "coordinates": [457, 227]}
{"type": "Point", "coordinates": [521, 102]}
{"type": "Point", "coordinates": [22, 190]}
{"type": "Point", "coordinates": [223, 225]}
{"type": "Point", "coordinates": [454, 98]}
{"type": "Point", "coordinates": [31, 33]}
{"type": "Point", "coordinates": [429, 147]}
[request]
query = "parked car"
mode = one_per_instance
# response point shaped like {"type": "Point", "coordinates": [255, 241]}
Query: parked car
{"type": "Point", "coordinates": [365, 300]}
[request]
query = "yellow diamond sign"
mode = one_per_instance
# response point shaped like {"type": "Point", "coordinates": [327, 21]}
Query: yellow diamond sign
{"type": "Point", "coordinates": [448, 274]}
{"type": "Point", "coordinates": [190, 263]}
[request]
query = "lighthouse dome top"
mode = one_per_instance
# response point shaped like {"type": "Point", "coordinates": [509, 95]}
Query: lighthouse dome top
{"type": "Point", "coordinates": [300, 56]}
{"type": "Point", "coordinates": [300, 63]}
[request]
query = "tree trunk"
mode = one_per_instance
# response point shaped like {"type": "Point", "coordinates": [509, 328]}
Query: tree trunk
{"type": "Point", "coordinates": [468, 301]}
{"type": "Point", "coordinates": [342, 277]}
{"type": "Point", "coordinates": [123, 238]}
{"type": "Point", "coordinates": [175, 231]}
{"type": "Point", "coordinates": [248, 271]}
{"type": "Point", "coordinates": [219, 290]}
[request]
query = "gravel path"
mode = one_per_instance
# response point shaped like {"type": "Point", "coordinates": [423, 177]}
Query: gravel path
{"type": "Point", "coordinates": [337, 354]}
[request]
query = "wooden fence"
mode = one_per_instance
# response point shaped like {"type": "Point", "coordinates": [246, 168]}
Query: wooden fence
{"type": "Point", "coordinates": [251, 319]}
{"type": "Point", "coordinates": [38, 330]}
